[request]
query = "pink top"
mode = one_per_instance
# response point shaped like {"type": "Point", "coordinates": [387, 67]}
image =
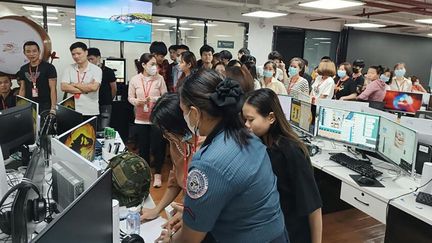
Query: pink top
{"type": "Point", "coordinates": [141, 87]}
{"type": "Point", "coordinates": [375, 91]}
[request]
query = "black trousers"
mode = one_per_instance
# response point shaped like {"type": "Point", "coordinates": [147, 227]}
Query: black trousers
{"type": "Point", "coordinates": [151, 142]}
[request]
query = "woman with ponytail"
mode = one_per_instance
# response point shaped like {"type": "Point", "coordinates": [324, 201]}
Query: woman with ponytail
{"type": "Point", "coordinates": [231, 189]}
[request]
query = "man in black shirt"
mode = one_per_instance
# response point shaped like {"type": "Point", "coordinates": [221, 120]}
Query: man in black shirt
{"type": "Point", "coordinates": [7, 99]}
{"type": "Point", "coordinates": [107, 90]}
{"type": "Point", "coordinates": [38, 79]}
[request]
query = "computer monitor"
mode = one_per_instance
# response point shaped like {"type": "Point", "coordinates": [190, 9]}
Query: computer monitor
{"type": "Point", "coordinates": [67, 119]}
{"type": "Point", "coordinates": [119, 67]}
{"type": "Point", "coordinates": [405, 102]}
{"type": "Point", "coordinates": [285, 102]}
{"type": "Point", "coordinates": [23, 225]}
{"type": "Point", "coordinates": [16, 128]}
{"type": "Point", "coordinates": [87, 219]}
{"type": "Point", "coordinates": [68, 102]}
{"type": "Point", "coordinates": [303, 116]}
{"type": "Point", "coordinates": [82, 139]}
{"type": "Point", "coordinates": [397, 144]}
{"type": "Point", "coordinates": [353, 128]}
{"type": "Point", "coordinates": [22, 101]}
{"type": "Point", "coordinates": [424, 114]}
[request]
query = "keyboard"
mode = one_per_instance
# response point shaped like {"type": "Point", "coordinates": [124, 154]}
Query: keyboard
{"type": "Point", "coordinates": [356, 165]}
{"type": "Point", "coordinates": [424, 198]}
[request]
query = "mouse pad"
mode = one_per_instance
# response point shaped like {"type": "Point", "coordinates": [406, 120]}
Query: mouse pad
{"type": "Point", "coordinates": [356, 177]}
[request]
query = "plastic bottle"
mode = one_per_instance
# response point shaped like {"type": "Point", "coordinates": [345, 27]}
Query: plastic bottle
{"type": "Point", "coordinates": [133, 222]}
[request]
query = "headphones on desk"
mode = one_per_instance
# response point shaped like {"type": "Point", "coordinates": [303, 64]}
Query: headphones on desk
{"type": "Point", "coordinates": [38, 207]}
{"type": "Point", "coordinates": [133, 238]}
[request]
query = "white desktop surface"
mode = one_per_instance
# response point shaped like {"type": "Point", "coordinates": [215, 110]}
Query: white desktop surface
{"type": "Point", "coordinates": [151, 230]}
{"type": "Point", "coordinates": [409, 205]}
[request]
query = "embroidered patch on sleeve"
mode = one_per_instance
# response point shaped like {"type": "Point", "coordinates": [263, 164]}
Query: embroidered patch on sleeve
{"type": "Point", "coordinates": [197, 184]}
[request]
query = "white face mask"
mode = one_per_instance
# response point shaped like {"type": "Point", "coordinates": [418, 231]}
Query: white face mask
{"type": "Point", "coordinates": [152, 70]}
{"type": "Point", "coordinates": [195, 130]}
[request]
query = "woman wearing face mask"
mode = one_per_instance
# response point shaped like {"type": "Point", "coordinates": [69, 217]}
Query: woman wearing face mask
{"type": "Point", "coordinates": [376, 90]}
{"type": "Point", "coordinates": [231, 189]}
{"type": "Point", "coordinates": [399, 82]}
{"type": "Point", "coordinates": [269, 79]}
{"type": "Point", "coordinates": [346, 88]}
{"type": "Point", "coordinates": [299, 196]}
{"type": "Point", "coordinates": [295, 83]}
{"type": "Point", "coordinates": [323, 87]}
{"type": "Point", "coordinates": [188, 64]}
{"type": "Point", "coordinates": [144, 89]}
{"type": "Point", "coordinates": [416, 85]}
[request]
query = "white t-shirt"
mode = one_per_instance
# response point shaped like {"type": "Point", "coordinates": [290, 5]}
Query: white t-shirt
{"type": "Point", "coordinates": [405, 85]}
{"type": "Point", "coordinates": [323, 87]}
{"type": "Point", "coordinates": [86, 104]}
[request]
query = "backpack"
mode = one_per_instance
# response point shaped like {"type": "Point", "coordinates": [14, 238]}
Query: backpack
{"type": "Point", "coordinates": [131, 179]}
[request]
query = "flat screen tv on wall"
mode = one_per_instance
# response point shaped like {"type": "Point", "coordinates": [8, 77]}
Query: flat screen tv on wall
{"type": "Point", "coordinates": [115, 20]}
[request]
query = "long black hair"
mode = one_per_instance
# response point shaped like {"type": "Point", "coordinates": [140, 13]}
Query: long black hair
{"type": "Point", "coordinates": [266, 101]}
{"type": "Point", "coordinates": [218, 98]}
{"type": "Point", "coordinates": [168, 116]}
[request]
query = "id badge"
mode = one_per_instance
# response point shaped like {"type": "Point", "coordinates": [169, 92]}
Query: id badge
{"type": "Point", "coordinates": [146, 108]}
{"type": "Point", "coordinates": [35, 92]}
{"type": "Point", "coordinates": [77, 96]}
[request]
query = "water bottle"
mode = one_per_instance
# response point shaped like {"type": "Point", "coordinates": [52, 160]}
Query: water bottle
{"type": "Point", "coordinates": [133, 222]}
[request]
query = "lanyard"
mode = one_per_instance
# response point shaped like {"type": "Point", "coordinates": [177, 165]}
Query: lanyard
{"type": "Point", "coordinates": [78, 77]}
{"type": "Point", "coordinates": [33, 77]}
{"type": "Point", "coordinates": [185, 159]}
{"type": "Point", "coordinates": [401, 86]}
{"type": "Point", "coordinates": [148, 86]}
{"type": "Point", "coordinates": [316, 89]}
{"type": "Point", "coordinates": [339, 83]}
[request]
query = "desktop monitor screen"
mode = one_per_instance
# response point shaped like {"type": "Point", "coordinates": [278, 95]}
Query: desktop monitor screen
{"type": "Point", "coordinates": [16, 128]}
{"type": "Point", "coordinates": [354, 128]}
{"type": "Point", "coordinates": [285, 102]}
{"type": "Point", "coordinates": [403, 101]}
{"type": "Point", "coordinates": [87, 219]}
{"type": "Point", "coordinates": [68, 103]}
{"type": "Point", "coordinates": [118, 65]}
{"type": "Point", "coordinates": [82, 139]}
{"type": "Point", "coordinates": [21, 101]}
{"type": "Point", "coordinates": [303, 116]}
{"type": "Point", "coordinates": [397, 143]}
{"type": "Point", "coordinates": [116, 20]}
{"type": "Point", "coordinates": [67, 119]}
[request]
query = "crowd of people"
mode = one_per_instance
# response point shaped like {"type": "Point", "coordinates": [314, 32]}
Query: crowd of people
{"type": "Point", "coordinates": [246, 175]}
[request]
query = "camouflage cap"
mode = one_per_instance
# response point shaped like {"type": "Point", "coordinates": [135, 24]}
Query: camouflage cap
{"type": "Point", "coordinates": [131, 179]}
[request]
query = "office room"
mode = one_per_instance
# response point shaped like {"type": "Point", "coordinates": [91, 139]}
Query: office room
{"type": "Point", "coordinates": [216, 121]}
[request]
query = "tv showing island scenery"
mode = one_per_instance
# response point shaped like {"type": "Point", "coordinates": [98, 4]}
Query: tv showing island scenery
{"type": "Point", "coordinates": [115, 20]}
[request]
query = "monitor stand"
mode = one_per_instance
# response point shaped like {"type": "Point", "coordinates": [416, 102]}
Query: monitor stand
{"type": "Point", "coordinates": [3, 180]}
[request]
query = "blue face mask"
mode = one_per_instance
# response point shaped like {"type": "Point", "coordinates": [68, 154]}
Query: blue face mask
{"type": "Point", "coordinates": [384, 78]}
{"type": "Point", "coordinates": [267, 74]}
{"type": "Point", "coordinates": [341, 73]}
{"type": "Point", "coordinates": [400, 72]}
{"type": "Point", "coordinates": [292, 71]}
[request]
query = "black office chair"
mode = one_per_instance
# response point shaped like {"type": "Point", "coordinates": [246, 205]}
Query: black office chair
{"type": "Point", "coordinates": [424, 114]}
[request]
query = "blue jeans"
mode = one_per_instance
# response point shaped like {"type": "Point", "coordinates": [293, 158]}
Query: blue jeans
{"type": "Point", "coordinates": [283, 238]}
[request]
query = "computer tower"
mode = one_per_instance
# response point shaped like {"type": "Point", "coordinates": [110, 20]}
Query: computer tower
{"type": "Point", "coordinates": [424, 154]}
{"type": "Point", "coordinates": [66, 184]}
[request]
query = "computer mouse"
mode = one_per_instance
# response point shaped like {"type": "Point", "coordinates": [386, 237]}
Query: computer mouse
{"type": "Point", "coordinates": [366, 181]}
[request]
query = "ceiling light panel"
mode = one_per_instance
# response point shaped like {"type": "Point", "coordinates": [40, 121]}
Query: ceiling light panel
{"type": "Point", "coordinates": [264, 14]}
{"type": "Point", "coordinates": [331, 4]}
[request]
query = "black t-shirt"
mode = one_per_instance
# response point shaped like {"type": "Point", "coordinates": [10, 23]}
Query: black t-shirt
{"type": "Point", "coordinates": [309, 79]}
{"type": "Point", "coordinates": [8, 102]}
{"type": "Point", "coordinates": [359, 83]}
{"type": "Point", "coordinates": [45, 71]}
{"type": "Point", "coordinates": [105, 95]}
{"type": "Point", "coordinates": [299, 195]}
{"type": "Point", "coordinates": [345, 88]}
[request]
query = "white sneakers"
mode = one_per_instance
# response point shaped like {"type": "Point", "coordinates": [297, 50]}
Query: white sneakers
{"type": "Point", "coordinates": [157, 180]}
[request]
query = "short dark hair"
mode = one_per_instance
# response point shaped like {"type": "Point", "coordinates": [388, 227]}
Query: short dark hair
{"type": "Point", "coordinates": [197, 91]}
{"type": "Point", "coordinates": [2, 74]}
{"type": "Point", "coordinates": [206, 48]}
{"type": "Point", "coordinates": [225, 54]}
{"type": "Point", "coordinates": [31, 43]}
{"type": "Point", "coordinates": [379, 69]}
{"type": "Point", "coordinates": [158, 48]}
{"type": "Point", "coordinates": [359, 63]}
{"type": "Point", "coordinates": [78, 45]}
{"type": "Point", "coordinates": [184, 47]}
{"type": "Point", "coordinates": [244, 51]}
{"type": "Point", "coordinates": [326, 58]}
{"type": "Point", "coordinates": [275, 55]}
{"type": "Point", "coordinates": [168, 116]}
{"type": "Point", "coordinates": [144, 59]}
{"type": "Point", "coordinates": [94, 52]}
{"type": "Point", "coordinates": [233, 62]}
{"type": "Point", "coordinates": [173, 47]}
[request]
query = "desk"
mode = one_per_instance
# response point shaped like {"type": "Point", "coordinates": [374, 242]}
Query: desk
{"type": "Point", "coordinates": [375, 201]}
